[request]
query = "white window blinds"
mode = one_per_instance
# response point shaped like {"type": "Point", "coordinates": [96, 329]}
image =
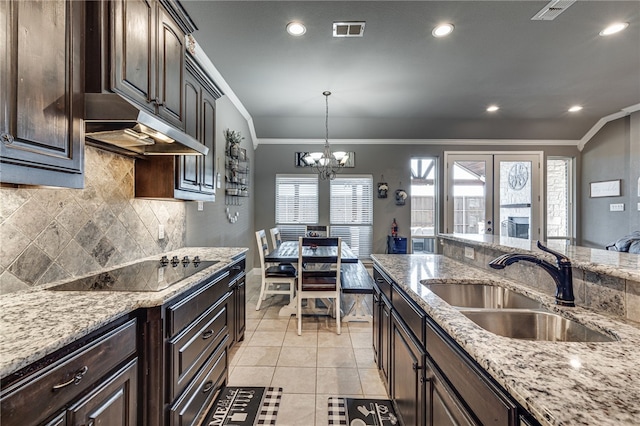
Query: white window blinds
{"type": "Point", "coordinates": [296, 199]}
{"type": "Point", "coordinates": [351, 212]}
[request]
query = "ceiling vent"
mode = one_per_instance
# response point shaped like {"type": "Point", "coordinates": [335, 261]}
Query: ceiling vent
{"type": "Point", "coordinates": [348, 29]}
{"type": "Point", "coordinates": [552, 10]}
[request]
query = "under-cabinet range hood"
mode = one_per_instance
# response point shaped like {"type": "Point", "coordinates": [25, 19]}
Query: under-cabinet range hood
{"type": "Point", "coordinates": [113, 123]}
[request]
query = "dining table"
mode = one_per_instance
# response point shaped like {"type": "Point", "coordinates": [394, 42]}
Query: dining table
{"type": "Point", "coordinates": [287, 252]}
{"type": "Point", "coordinates": [354, 277]}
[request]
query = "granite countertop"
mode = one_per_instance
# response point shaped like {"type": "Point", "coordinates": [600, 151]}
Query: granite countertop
{"type": "Point", "coordinates": [613, 263]}
{"type": "Point", "coordinates": [37, 322]}
{"type": "Point", "coordinates": [559, 383]}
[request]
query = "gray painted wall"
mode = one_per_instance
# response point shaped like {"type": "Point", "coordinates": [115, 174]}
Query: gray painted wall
{"type": "Point", "coordinates": [613, 153]}
{"type": "Point", "coordinates": [392, 161]}
{"type": "Point", "coordinates": [210, 227]}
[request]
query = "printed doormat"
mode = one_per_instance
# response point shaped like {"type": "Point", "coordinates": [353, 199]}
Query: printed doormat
{"type": "Point", "coordinates": [245, 406]}
{"type": "Point", "coordinates": [361, 412]}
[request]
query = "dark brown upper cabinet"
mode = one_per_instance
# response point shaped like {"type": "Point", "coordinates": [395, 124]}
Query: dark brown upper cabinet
{"type": "Point", "coordinates": [41, 92]}
{"type": "Point", "coordinates": [148, 58]}
{"type": "Point", "coordinates": [186, 177]}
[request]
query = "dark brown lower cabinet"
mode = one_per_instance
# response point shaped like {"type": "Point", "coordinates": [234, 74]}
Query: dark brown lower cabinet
{"type": "Point", "coordinates": [407, 379]}
{"type": "Point", "coordinates": [113, 403]}
{"type": "Point", "coordinates": [445, 408]}
{"type": "Point", "coordinates": [430, 378]}
{"type": "Point", "coordinates": [92, 381]}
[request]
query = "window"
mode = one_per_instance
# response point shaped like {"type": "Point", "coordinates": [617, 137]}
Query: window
{"type": "Point", "coordinates": [559, 196]}
{"type": "Point", "coordinates": [296, 204]}
{"type": "Point", "coordinates": [351, 212]}
{"type": "Point", "coordinates": [423, 204]}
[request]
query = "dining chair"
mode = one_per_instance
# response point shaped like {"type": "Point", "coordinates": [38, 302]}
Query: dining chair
{"type": "Point", "coordinates": [276, 238]}
{"type": "Point", "coordinates": [320, 276]}
{"type": "Point", "coordinates": [274, 277]}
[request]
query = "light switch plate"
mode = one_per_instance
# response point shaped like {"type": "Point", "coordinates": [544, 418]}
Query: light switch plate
{"type": "Point", "coordinates": [616, 207]}
{"type": "Point", "coordinates": [161, 232]}
{"type": "Point", "coordinates": [639, 207]}
{"type": "Point", "coordinates": [200, 206]}
{"type": "Point", "coordinates": [469, 252]}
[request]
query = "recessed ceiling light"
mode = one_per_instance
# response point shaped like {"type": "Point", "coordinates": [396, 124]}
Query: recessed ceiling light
{"type": "Point", "coordinates": [575, 108]}
{"type": "Point", "coordinates": [442, 30]}
{"type": "Point", "coordinates": [614, 28]}
{"type": "Point", "coordinates": [493, 108]}
{"type": "Point", "coordinates": [296, 28]}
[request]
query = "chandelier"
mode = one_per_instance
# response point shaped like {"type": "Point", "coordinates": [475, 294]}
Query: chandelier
{"type": "Point", "coordinates": [326, 163]}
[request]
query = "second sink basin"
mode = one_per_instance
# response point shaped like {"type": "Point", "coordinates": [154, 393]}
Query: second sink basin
{"type": "Point", "coordinates": [534, 325]}
{"type": "Point", "coordinates": [482, 296]}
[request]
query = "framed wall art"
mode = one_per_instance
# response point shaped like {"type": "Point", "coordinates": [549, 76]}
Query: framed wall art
{"type": "Point", "coordinates": [608, 188]}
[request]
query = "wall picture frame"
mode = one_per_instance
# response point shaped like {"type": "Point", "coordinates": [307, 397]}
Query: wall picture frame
{"type": "Point", "coordinates": [607, 188]}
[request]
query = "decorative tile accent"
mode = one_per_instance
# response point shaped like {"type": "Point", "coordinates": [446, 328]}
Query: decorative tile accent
{"type": "Point", "coordinates": [53, 233]}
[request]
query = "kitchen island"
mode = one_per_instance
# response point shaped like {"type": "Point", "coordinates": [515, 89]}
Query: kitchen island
{"type": "Point", "coordinates": [80, 355]}
{"type": "Point", "coordinates": [558, 383]}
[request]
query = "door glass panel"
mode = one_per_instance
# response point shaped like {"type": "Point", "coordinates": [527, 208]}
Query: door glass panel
{"type": "Point", "coordinates": [559, 180]}
{"type": "Point", "coordinates": [423, 204]}
{"type": "Point", "coordinates": [515, 199]}
{"type": "Point", "coordinates": [469, 197]}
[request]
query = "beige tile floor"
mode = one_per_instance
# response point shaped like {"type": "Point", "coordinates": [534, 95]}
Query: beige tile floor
{"type": "Point", "coordinates": [309, 368]}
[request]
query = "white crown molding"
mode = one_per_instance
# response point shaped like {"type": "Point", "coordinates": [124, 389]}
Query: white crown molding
{"type": "Point", "coordinates": [604, 120]}
{"type": "Point", "coordinates": [519, 142]}
{"type": "Point", "coordinates": [206, 63]}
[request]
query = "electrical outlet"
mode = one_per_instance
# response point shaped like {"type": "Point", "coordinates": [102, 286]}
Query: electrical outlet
{"type": "Point", "coordinates": [161, 232]}
{"type": "Point", "coordinates": [616, 207]}
{"type": "Point", "coordinates": [639, 207]}
{"type": "Point", "coordinates": [200, 206]}
{"type": "Point", "coordinates": [160, 274]}
{"type": "Point", "coordinates": [469, 253]}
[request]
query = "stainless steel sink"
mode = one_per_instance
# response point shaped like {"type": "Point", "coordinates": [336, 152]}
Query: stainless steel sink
{"type": "Point", "coordinates": [482, 296]}
{"type": "Point", "coordinates": [534, 325]}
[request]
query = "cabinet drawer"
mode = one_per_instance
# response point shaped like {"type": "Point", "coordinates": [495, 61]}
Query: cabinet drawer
{"type": "Point", "coordinates": [183, 312]}
{"type": "Point", "coordinates": [191, 348]}
{"type": "Point", "coordinates": [38, 396]}
{"type": "Point", "coordinates": [483, 398]}
{"type": "Point", "coordinates": [383, 283]}
{"type": "Point", "coordinates": [237, 269]}
{"type": "Point", "coordinates": [202, 389]}
{"type": "Point", "coordinates": [411, 314]}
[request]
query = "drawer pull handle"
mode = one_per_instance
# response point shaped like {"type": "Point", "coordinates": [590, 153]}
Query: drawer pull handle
{"type": "Point", "coordinates": [207, 334]}
{"type": "Point", "coordinates": [74, 380]}
{"type": "Point", "coordinates": [207, 387]}
{"type": "Point", "coordinates": [7, 138]}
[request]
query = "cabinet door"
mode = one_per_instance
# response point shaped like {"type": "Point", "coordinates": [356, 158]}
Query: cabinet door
{"type": "Point", "coordinates": [41, 87]}
{"type": "Point", "coordinates": [188, 176]}
{"type": "Point", "coordinates": [377, 324]}
{"type": "Point", "coordinates": [134, 51]}
{"type": "Point", "coordinates": [385, 342]}
{"type": "Point", "coordinates": [208, 138]}
{"type": "Point", "coordinates": [407, 375]}
{"type": "Point", "coordinates": [112, 404]}
{"type": "Point", "coordinates": [170, 65]}
{"type": "Point", "coordinates": [241, 300]}
{"type": "Point", "coordinates": [443, 407]}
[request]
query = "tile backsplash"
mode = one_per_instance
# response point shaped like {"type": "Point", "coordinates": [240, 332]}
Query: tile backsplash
{"type": "Point", "coordinates": [48, 234]}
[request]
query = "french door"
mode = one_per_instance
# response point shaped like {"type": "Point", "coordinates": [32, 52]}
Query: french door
{"type": "Point", "coordinates": [496, 194]}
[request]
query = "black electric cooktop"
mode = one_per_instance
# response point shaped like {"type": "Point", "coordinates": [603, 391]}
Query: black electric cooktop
{"type": "Point", "coordinates": [148, 275]}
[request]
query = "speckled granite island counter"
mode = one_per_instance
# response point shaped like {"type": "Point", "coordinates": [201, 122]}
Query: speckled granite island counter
{"type": "Point", "coordinates": [559, 383]}
{"type": "Point", "coordinates": [37, 322]}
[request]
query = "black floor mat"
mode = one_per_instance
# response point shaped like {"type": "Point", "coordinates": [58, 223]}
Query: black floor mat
{"type": "Point", "coordinates": [361, 412]}
{"type": "Point", "coordinates": [245, 406]}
